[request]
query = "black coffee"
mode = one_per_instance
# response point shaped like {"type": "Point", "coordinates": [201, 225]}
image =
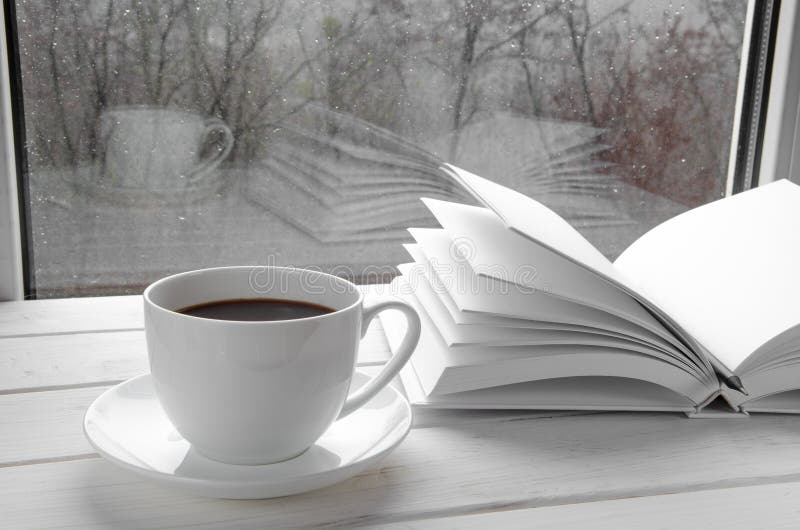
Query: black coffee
{"type": "Point", "coordinates": [256, 309]}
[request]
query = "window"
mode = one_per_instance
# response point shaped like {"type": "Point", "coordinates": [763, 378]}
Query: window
{"type": "Point", "coordinates": [165, 135]}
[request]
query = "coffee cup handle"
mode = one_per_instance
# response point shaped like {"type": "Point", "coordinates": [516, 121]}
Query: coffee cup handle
{"type": "Point", "coordinates": [213, 160]}
{"type": "Point", "coordinates": [398, 360]}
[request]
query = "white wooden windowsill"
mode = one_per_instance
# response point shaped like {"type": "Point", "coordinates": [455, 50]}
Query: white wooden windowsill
{"type": "Point", "coordinates": [456, 468]}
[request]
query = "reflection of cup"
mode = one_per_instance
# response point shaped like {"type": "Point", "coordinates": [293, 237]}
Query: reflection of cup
{"type": "Point", "coordinates": [156, 149]}
{"type": "Point", "coordinates": [255, 392]}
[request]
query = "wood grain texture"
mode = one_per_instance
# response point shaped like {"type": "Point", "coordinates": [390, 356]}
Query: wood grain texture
{"type": "Point", "coordinates": [53, 361]}
{"type": "Point", "coordinates": [94, 494]}
{"type": "Point", "coordinates": [47, 425]}
{"type": "Point", "coordinates": [456, 468]}
{"type": "Point", "coordinates": [449, 469]}
{"type": "Point", "coordinates": [44, 425]}
{"type": "Point", "coordinates": [772, 506]}
{"type": "Point", "coordinates": [70, 315]}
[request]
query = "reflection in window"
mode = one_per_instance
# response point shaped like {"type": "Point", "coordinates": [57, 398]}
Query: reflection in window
{"type": "Point", "coordinates": [165, 135]}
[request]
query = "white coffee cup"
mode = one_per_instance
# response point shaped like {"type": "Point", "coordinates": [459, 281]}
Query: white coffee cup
{"type": "Point", "coordinates": [261, 392]}
{"type": "Point", "coordinates": [158, 149]}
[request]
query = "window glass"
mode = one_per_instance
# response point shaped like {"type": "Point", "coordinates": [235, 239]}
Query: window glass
{"type": "Point", "coordinates": [166, 135]}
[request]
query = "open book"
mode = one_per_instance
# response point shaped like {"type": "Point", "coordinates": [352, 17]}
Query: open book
{"type": "Point", "coordinates": [520, 311]}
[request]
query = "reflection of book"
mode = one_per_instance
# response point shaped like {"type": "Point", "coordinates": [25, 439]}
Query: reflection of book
{"type": "Point", "coordinates": [520, 311]}
{"type": "Point", "coordinates": [360, 182]}
{"type": "Point", "coordinates": [338, 191]}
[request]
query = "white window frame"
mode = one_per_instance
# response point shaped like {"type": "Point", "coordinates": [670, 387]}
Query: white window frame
{"type": "Point", "coordinates": [780, 151]}
{"type": "Point", "coordinates": [780, 156]}
{"type": "Point", "coordinates": [11, 273]}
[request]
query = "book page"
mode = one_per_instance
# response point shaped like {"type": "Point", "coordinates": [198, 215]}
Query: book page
{"type": "Point", "coordinates": [541, 225]}
{"type": "Point", "coordinates": [422, 271]}
{"type": "Point", "coordinates": [484, 294]}
{"type": "Point", "coordinates": [566, 393]}
{"type": "Point", "coordinates": [420, 275]}
{"type": "Point", "coordinates": [444, 370]}
{"type": "Point", "coordinates": [782, 402]}
{"type": "Point", "coordinates": [487, 295]}
{"type": "Point", "coordinates": [457, 336]}
{"type": "Point", "coordinates": [783, 346]}
{"type": "Point", "coordinates": [727, 272]}
{"type": "Point", "coordinates": [486, 329]}
{"type": "Point", "coordinates": [535, 221]}
{"type": "Point", "coordinates": [493, 250]}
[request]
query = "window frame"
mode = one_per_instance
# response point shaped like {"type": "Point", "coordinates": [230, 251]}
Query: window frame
{"type": "Point", "coordinates": [752, 96]}
{"type": "Point", "coordinates": [776, 137]}
{"type": "Point", "coordinates": [12, 262]}
{"type": "Point", "coordinates": [781, 145]}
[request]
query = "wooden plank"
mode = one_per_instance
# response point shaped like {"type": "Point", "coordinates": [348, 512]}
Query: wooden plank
{"type": "Point", "coordinates": [94, 494]}
{"type": "Point", "coordinates": [53, 361]}
{"type": "Point", "coordinates": [66, 315]}
{"type": "Point", "coordinates": [44, 425]}
{"type": "Point", "coordinates": [425, 418]}
{"type": "Point", "coordinates": [452, 464]}
{"type": "Point", "coordinates": [47, 425]}
{"type": "Point", "coordinates": [774, 506]}
{"type": "Point", "coordinates": [81, 359]}
{"type": "Point", "coordinates": [519, 462]}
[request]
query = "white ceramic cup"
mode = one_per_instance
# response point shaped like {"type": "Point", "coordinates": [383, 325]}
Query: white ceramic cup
{"type": "Point", "coordinates": [261, 392]}
{"type": "Point", "coordinates": [158, 149]}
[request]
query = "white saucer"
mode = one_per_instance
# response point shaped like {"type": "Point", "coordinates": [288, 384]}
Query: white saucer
{"type": "Point", "coordinates": [127, 426]}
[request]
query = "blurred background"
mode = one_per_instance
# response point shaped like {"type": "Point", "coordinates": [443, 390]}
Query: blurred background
{"type": "Point", "coordinates": [166, 135]}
